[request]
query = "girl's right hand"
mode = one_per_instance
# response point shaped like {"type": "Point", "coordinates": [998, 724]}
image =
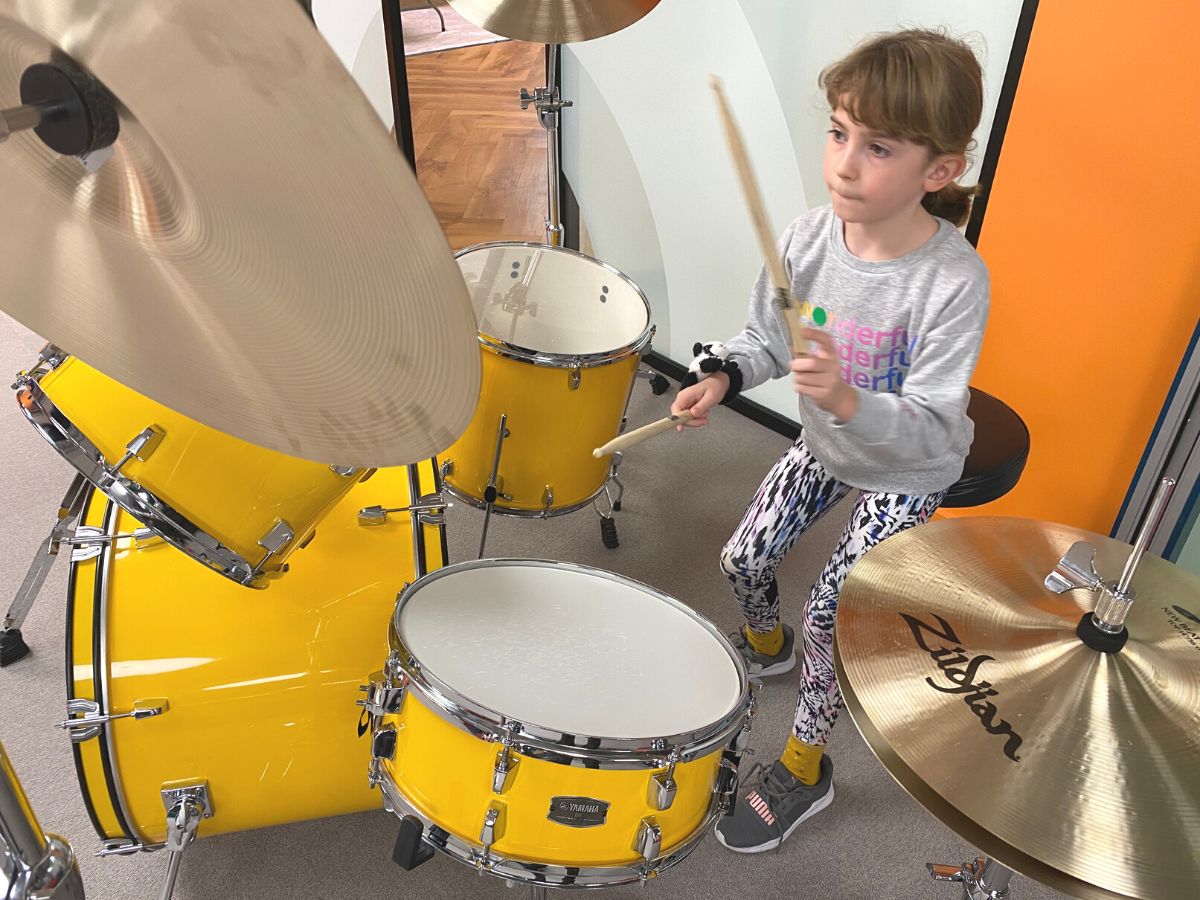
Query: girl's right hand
{"type": "Point", "coordinates": [699, 398]}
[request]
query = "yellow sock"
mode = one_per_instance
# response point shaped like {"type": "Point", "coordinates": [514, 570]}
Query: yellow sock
{"type": "Point", "coordinates": [803, 760]}
{"type": "Point", "coordinates": [769, 643]}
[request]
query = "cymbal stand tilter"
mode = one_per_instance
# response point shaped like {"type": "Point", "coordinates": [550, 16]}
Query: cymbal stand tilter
{"type": "Point", "coordinates": [491, 492]}
{"type": "Point", "coordinates": [548, 104]}
{"type": "Point", "coordinates": [12, 643]}
{"type": "Point", "coordinates": [1102, 630]}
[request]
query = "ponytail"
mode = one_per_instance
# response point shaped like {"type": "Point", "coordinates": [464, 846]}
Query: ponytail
{"type": "Point", "coordinates": [953, 203]}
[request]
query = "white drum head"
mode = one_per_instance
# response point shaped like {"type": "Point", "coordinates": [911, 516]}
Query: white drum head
{"type": "Point", "coordinates": [571, 650]}
{"type": "Point", "coordinates": [552, 300]}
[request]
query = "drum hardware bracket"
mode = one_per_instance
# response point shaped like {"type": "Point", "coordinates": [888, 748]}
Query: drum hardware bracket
{"type": "Point", "coordinates": [982, 879]}
{"type": "Point", "coordinates": [506, 765]}
{"type": "Point", "coordinates": [142, 447]}
{"type": "Point", "coordinates": [89, 541]}
{"type": "Point", "coordinates": [377, 515]}
{"type": "Point", "coordinates": [90, 720]}
{"type": "Point", "coordinates": [383, 698]}
{"type": "Point", "coordinates": [1104, 629]}
{"type": "Point", "coordinates": [410, 851]}
{"type": "Point", "coordinates": [186, 805]}
{"type": "Point", "coordinates": [575, 377]}
{"type": "Point", "coordinates": [663, 786]}
{"type": "Point", "coordinates": [383, 743]}
{"type": "Point", "coordinates": [648, 841]}
{"type": "Point", "coordinates": [547, 501]}
{"type": "Point", "coordinates": [344, 471]}
{"type": "Point", "coordinates": [12, 643]}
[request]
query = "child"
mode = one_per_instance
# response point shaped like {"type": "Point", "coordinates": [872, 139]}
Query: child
{"type": "Point", "coordinates": [883, 385]}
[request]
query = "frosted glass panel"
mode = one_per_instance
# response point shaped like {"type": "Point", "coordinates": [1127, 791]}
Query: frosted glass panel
{"type": "Point", "coordinates": [645, 157]}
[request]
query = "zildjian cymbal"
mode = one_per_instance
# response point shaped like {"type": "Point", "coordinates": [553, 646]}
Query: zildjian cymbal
{"type": "Point", "coordinates": [255, 253]}
{"type": "Point", "coordinates": [964, 673]}
{"type": "Point", "coordinates": [553, 21]}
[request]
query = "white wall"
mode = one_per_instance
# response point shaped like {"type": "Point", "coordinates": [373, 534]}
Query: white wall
{"type": "Point", "coordinates": [644, 154]}
{"type": "Point", "coordinates": [354, 29]}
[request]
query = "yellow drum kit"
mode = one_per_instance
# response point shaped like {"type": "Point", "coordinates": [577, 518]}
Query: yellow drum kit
{"type": "Point", "coordinates": [268, 370]}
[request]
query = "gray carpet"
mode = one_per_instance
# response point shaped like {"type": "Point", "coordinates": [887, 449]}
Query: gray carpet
{"type": "Point", "coordinates": [684, 494]}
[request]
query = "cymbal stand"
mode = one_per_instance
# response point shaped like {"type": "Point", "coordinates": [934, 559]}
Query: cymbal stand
{"type": "Point", "coordinates": [548, 104]}
{"type": "Point", "coordinates": [42, 865]}
{"type": "Point", "coordinates": [982, 879]}
{"type": "Point", "coordinates": [12, 644]}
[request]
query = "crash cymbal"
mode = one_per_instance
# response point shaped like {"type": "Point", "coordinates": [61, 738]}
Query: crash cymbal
{"type": "Point", "coordinates": [963, 671]}
{"type": "Point", "coordinates": [552, 21]}
{"type": "Point", "coordinates": [256, 253]}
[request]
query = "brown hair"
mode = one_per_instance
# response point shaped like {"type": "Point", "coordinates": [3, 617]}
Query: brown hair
{"type": "Point", "coordinates": [916, 85]}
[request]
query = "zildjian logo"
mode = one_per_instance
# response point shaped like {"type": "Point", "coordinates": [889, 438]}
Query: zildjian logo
{"type": "Point", "coordinates": [950, 660]}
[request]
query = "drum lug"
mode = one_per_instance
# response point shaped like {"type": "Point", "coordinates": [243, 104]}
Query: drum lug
{"type": "Point", "coordinates": [142, 447]}
{"type": "Point", "coordinates": [90, 720]}
{"type": "Point", "coordinates": [574, 376]}
{"type": "Point", "coordinates": [506, 763]}
{"type": "Point", "coordinates": [663, 786]}
{"type": "Point", "coordinates": [547, 501]}
{"type": "Point", "coordinates": [447, 467]}
{"type": "Point", "coordinates": [648, 841]}
{"type": "Point", "coordinates": [494, 821]}
{"type": "Point", "coordinates": [383, 698]}
{"type": "Point", "coordinates": [273, 541]}
{"type": "Point", "coordinates": [345, 471]}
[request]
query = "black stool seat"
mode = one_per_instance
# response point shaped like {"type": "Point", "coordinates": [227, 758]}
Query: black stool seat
{"type": "Point", "coordinates": [997, 456]}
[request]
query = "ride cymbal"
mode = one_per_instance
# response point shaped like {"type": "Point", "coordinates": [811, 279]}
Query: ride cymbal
{"type": "Point", "coordinates": [553, 21]}
{"type": "Point", "coordinates": [1077, 768]}
{"type": "Point", "coordinates": [256, 253]}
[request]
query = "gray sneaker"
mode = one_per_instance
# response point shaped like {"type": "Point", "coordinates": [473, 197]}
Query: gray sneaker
{"type": "Point", "coordinates": [771, 805]}
{"type": "Point", "coordinates": [760, 665]}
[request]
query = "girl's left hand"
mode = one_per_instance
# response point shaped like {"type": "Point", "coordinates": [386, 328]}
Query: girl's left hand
{"type": "Point", "coordinates": [818, 375]}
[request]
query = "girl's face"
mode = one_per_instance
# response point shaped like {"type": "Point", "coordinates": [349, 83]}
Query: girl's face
{"type": "Point", "coordinates": [873, 178]}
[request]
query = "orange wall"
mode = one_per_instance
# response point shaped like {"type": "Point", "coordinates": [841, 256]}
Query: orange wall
{"type": "Point", "coordinates": [1092, 237]}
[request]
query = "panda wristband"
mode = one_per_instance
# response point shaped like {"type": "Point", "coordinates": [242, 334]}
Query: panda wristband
{"type": "Point", "coordinates": [710, 358]}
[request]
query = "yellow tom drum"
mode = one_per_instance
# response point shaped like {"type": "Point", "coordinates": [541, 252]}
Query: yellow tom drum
{"type": "Point", "coordinates": [556, 724]}
{"type": "Point", "coordinates": [176, 683]}
{"type": "Point", "coordinates": [561, 335]}
{"type": "Point", "coordinates": [238, 508]}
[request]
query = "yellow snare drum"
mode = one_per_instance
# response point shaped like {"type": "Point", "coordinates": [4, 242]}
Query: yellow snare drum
{"type": "Point", "coordinates": [256, 701]}
{"type": "Point", "coordinates": [235, 507]}
{"type": "Point", "coordinates": [554, 723]}
{"type": "Point", "coordinates": [561, 335]}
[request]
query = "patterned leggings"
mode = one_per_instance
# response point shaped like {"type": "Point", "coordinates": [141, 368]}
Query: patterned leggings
{"type": "Point", "coordinates": [795, 494]}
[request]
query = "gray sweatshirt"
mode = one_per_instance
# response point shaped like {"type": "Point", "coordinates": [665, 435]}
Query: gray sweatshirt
{"type": "Point", "coordinates": [908, 332]}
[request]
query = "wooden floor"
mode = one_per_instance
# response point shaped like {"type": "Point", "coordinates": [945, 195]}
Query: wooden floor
{"type": "Point", "coordinates": [481, 159]}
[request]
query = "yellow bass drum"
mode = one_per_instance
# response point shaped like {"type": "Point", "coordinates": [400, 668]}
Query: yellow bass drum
{"type": "Point", "coordinates": [235, 507]}
{"type": "Point", "coordinates": [178, 679]}
{"type": "Point", "coordinates": [556, 724]}
{"type": "Point", "coordinates": [561, 335]}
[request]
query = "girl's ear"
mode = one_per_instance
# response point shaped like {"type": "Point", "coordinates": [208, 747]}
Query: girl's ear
{"type": "Point", "coordinates": [943, 170]}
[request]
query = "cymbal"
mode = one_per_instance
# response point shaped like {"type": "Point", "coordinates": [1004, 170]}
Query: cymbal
{"type": "Point", "coordinates": [963, 672]}
{"type": "Point", "coordinates": [552, 21]}
{"type": "Point", "coordinates": [256, 253]}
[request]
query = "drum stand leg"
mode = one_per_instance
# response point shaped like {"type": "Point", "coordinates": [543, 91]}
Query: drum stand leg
{"type": "Point", "coordinates": [608, 523]}
{"type": "Point", "coordinates": [186, 806]}
{"type": "Point", "coordinates": [490, 493]}
{"type": "Point", "coordinates": [658, 383]}
{"type": "Point", "coordinates": [12, 644]}
{"type": "Point", "coordinates": [982, 879]}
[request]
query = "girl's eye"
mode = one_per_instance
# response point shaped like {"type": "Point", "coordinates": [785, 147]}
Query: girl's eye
{"type": "Point", "coordinates": [838, 135]}
{"type": "Point", "coordinates": [880, 150]}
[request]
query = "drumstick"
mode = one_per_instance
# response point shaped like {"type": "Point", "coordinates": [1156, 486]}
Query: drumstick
{"type": "Point", "coordinates": [640, 434]}
{"type": "Point", "coordinates": [758, 214]}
